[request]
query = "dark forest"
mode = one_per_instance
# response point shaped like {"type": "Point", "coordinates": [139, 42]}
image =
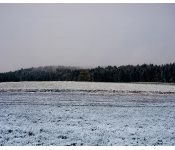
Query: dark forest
{"type": "Point", "coordinates": [140, 73]}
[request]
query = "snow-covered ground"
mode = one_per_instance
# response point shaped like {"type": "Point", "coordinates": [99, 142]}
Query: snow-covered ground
{"type": "Point", "coordinates": [87, 99]}
{"type": "Point", "coordinates": [86, 113]}
{"type": "Point", "coordinates": [85, 86]}
{"type": "Point", "coordinates": [86, 125]}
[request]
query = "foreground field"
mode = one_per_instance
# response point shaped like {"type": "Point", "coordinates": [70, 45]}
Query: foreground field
{"type": "Point", "coordinates": [87, 125]}
{"type": "Point", "coordinates": [80, 114]}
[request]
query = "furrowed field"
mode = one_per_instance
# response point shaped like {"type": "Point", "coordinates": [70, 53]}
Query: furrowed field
{"type": "Point", "coordinates": [86, 113]}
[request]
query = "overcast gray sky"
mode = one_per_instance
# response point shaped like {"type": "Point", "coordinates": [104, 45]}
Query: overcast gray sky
{"type": "Point", "coordinates": [33, 35]}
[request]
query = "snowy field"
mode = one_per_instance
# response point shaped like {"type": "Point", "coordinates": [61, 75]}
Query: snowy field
{"type": "Point", "coordinates": [84, 113]}
{"type": "Point", "coordinates": [86, 125]}
{"type": "Point", "coordinates": [57, 86]}
{"type": "Point", "coordinates": [87, 99]}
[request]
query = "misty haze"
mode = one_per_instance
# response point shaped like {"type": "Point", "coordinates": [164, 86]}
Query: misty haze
{"type": "Point", "coordinates": [86, 35]}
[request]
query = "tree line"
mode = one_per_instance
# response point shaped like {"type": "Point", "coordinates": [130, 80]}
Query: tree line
{"type": "Point", "coordinates": [140, 73]}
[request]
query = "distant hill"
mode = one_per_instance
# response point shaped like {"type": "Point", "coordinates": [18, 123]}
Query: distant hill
{"type": "Point", "coordinates": [144, 73]}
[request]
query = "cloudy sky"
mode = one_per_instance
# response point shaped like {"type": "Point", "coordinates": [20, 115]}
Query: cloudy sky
{"type": "Point", "coordinates": [33, 35]}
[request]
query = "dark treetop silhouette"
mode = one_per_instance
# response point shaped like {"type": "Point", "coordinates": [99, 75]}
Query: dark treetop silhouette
{"type": "Point", "coordinates": [129, 73]}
